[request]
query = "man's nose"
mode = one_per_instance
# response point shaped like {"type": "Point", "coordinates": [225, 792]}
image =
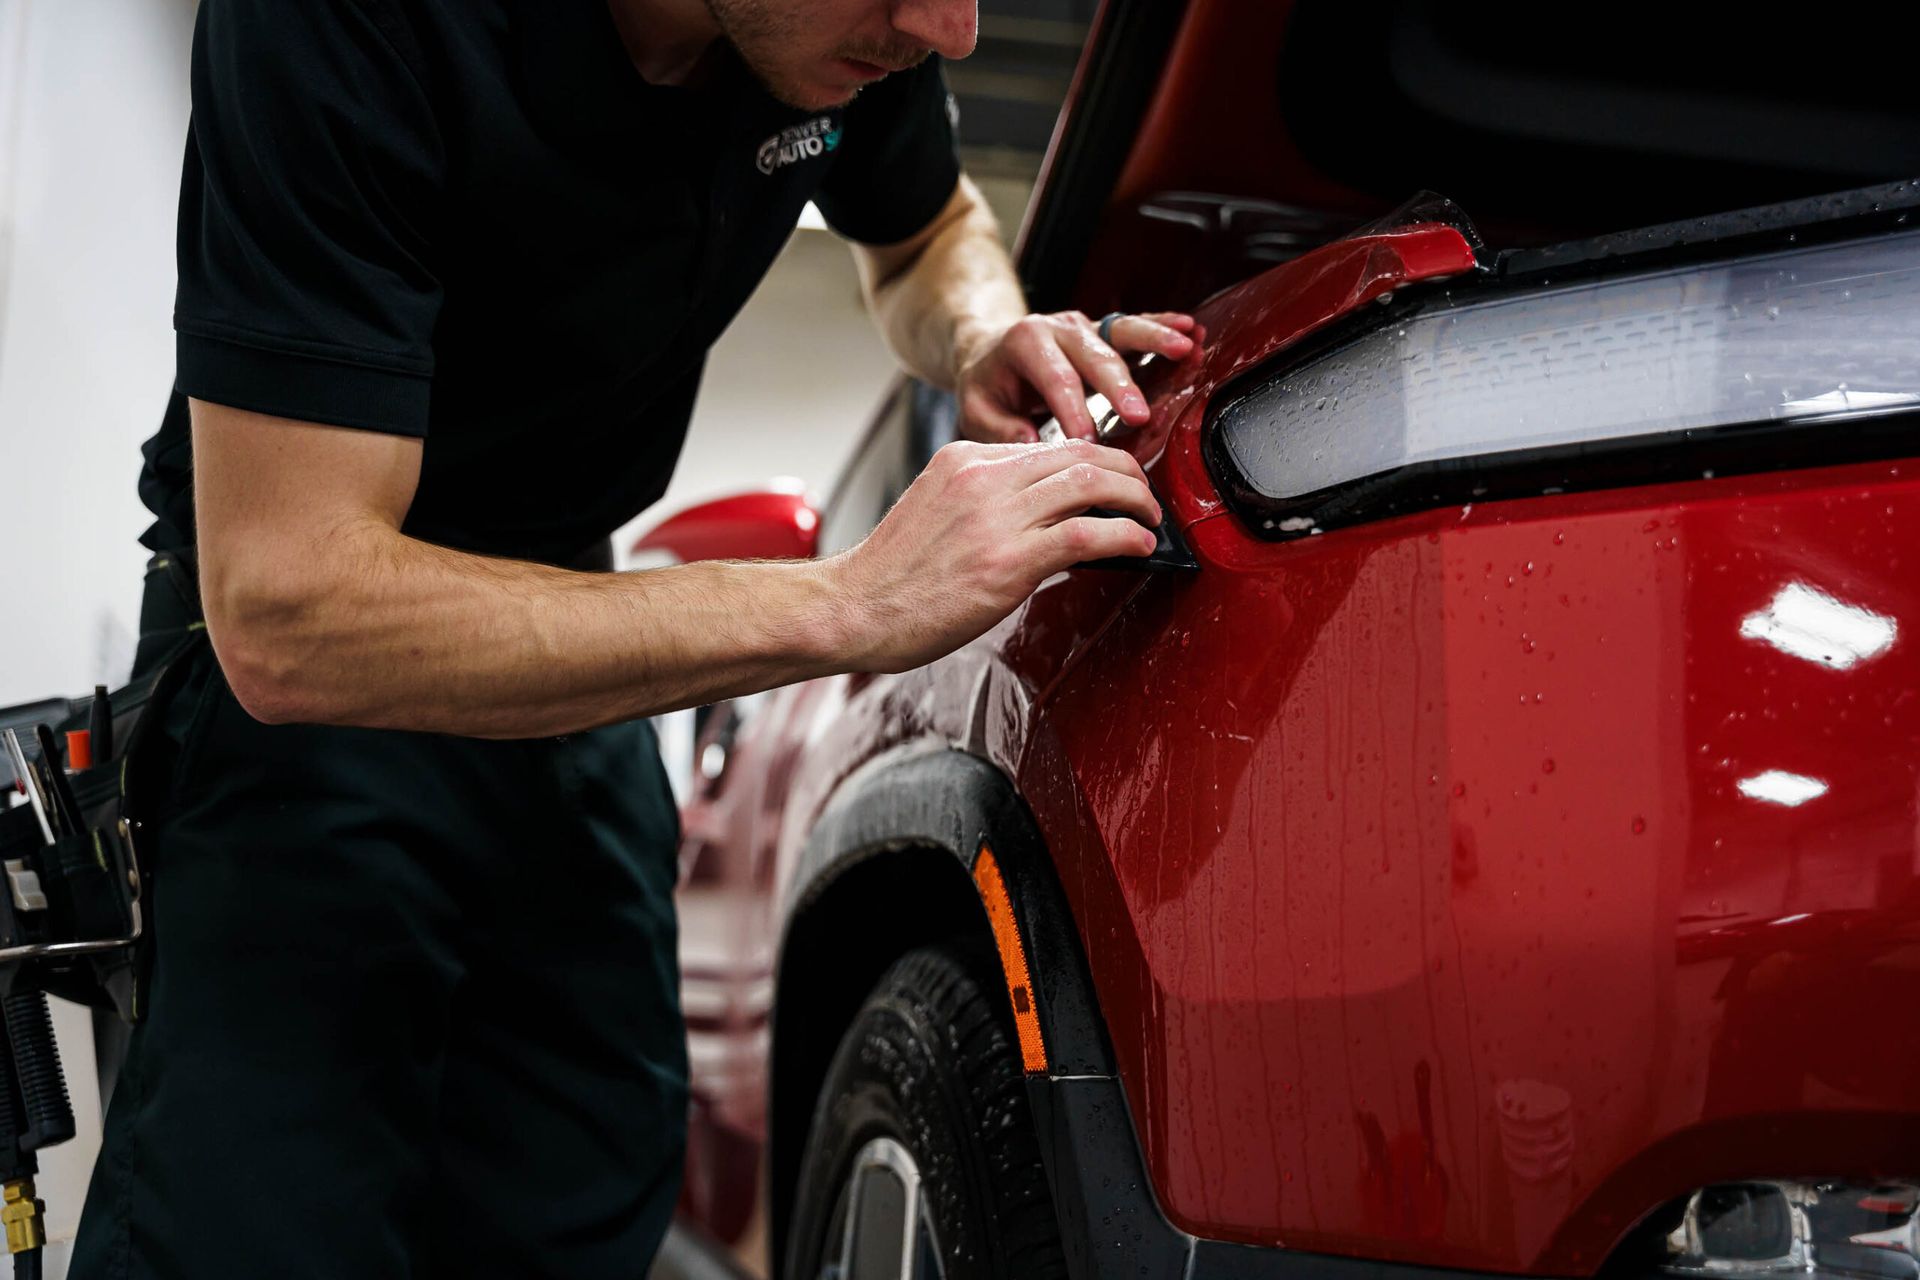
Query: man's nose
{"type": "Point", "coordinates": [948, 27]}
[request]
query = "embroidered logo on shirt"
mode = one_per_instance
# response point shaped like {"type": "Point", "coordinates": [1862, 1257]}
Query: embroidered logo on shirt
{"type": "Point", "coordinates": [800, 142]}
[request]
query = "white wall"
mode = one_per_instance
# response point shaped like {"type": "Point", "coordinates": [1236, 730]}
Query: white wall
{"type": "Point", "coordinates": [794, 381]}
{"type": "Point", "coordinates": [94, 108]}
{"type": "Point", "coordinates": [796, 378]}
{"type": "Point", "coordinates": [93, 114]}
{"type": "Point", "coordinates": [788, 387]}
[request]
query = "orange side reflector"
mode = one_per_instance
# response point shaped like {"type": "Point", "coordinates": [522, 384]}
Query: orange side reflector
{"type": "Point", "coordinates": [1013, 958]}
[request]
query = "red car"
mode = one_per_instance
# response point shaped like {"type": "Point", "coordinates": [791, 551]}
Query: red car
{"type": "Point", "coordinates": [1488, 836]}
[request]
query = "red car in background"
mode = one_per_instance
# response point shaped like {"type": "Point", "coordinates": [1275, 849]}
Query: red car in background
{"type": "Point", "coordinates": [1488, 837]}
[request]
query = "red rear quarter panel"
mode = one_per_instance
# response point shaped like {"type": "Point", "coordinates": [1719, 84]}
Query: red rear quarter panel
{"type": "Point", "coordinates": [1424, 904]}
{"type": "Point", "coordinates": [1438, 924]}
{"type": "Point", "coordinates": [1427, 870]}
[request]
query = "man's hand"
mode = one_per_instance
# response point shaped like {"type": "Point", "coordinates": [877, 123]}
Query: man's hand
{"type": "Point", "coordinates": [972, 537]}
{"type": "Point", "coordinates": [951, 309]}
{"type": "Point", "coordinates": [1049, 365]}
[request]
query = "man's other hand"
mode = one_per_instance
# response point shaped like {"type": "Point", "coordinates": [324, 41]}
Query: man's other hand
{"type": "Point", "coordinates": [974, 534]}
{"type": "Point", "coordinates": [1048, 365]}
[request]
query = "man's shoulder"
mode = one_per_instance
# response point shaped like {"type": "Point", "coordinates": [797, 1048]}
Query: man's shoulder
{"type": "Point", "coordinates": [418, 31]}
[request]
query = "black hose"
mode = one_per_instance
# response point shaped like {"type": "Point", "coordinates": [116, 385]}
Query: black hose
{"type": "Point", "coordinates": [36, 1065]}
{"type": "Point", "coordinates": [15, 1161]}
{"type": "Point", "coordinates": [26, 1264]}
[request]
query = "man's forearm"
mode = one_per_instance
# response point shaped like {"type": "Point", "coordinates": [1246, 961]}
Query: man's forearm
{"type": "Point", "coordinates": [399, 633]}
{"type": "Point", "coordinates": [941, 302]}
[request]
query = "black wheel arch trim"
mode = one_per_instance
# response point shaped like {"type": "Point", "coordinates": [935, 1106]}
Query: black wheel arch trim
{"type": "Point", "coordinates": [1111, 1224]}
{"type": "Point", "coordinates": [953, 801]}
{"type": "Point", "coordinates": [944, 801]}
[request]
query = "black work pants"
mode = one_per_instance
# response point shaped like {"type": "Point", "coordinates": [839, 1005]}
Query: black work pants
{"type": "Point", "coordinates": [411, 1008]}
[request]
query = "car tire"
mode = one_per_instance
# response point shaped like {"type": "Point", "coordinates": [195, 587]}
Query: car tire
{"type": "Point", "coordinates": [927, 1091]}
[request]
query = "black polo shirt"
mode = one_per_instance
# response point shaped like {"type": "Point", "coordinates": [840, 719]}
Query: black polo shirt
{"type": "Point", "coordinates": [472, 221]}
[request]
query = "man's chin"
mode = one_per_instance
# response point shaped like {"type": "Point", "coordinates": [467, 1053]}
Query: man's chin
{"type": "Point", "coordinates": [813, 86]}
{"type": "Point", "coordinates": [812, 96]}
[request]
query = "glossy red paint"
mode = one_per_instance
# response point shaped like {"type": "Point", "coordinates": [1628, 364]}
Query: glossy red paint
{"type": "Point", "coordinates": [727, 955]}
{"type": "Point", "coordinates": [1427, 871]}
{"type": "Point", "coordinates": [729, 936]}
{"type": "Point", "coordinates": [1435, 905]}
{"type": "Point", "coordinates": [767, 524]}
{"type": "Point", "coordinates": [727, 948]}
{"type": "Point", "coordinates": [1393, 847]}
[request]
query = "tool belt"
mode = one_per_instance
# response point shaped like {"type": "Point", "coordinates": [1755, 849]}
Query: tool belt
{"type": "Point", "coordinates": [71, 909]}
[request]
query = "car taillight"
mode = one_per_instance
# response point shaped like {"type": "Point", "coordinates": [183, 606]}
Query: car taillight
{"type": "Point", "coordinates": [1508, 389]}
{"type": "Point", "coordinates": [1816, 1228]}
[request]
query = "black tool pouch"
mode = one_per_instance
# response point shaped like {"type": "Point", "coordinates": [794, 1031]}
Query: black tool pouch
{"type": "Point", "coordinates": [71, 912]}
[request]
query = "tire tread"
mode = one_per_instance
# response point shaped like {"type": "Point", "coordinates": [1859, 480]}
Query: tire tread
{"type": "Point", "coordinates": [942, 1005]}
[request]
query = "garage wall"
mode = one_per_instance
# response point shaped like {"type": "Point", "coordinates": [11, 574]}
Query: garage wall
{"type": "Point", "coordinates": [93, 112]}
{"type": "Point", "coordinates": [795, 380]}
{"type": "Point", "coordinates": [788, 387]}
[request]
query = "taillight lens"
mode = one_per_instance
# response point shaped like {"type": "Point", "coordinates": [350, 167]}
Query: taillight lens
{"type": "Point", "coordinates": [1497, 392]}
{"type": "Point", "coordinates": [1766, 1228]}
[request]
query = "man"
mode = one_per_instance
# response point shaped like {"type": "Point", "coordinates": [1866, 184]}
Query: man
{"type": "Point", "coordinates": [448, 271]}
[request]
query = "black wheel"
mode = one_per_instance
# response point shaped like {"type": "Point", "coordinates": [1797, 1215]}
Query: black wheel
{"type": "Point", "coordinates": [921, 1161]}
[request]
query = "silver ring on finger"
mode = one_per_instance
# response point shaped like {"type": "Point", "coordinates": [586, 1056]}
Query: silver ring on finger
{"type": "Point", "coordinates": [1106, 325]}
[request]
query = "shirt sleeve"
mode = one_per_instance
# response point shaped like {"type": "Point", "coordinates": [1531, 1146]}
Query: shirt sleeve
{"type": "Point", "coordinates": [313, 176]}
{"type": "Point", "coordinates": [896, 166]}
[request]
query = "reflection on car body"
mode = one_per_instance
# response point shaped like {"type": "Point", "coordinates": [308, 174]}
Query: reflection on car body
{"type": "Point", "coordinates": [1502, 855]}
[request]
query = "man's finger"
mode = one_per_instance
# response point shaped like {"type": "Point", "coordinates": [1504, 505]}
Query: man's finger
{"type": "Point", "coordinates": [1150, 333]}
{"type": "Point", "coordinates": [1069, 493]}
{"type": "Point", "coordinates": [1071, 542]}
{"type": "Point", "coordinates": [1172, 319]}
{"type": "Point", "coordinates": [986, 422]}
{"type": "Point", "coordinates": [1106, 371]}
{"type": "Point", "coordinates": [1049, 371]}
{"type": "Point", "coordinates": [1028, 467]}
